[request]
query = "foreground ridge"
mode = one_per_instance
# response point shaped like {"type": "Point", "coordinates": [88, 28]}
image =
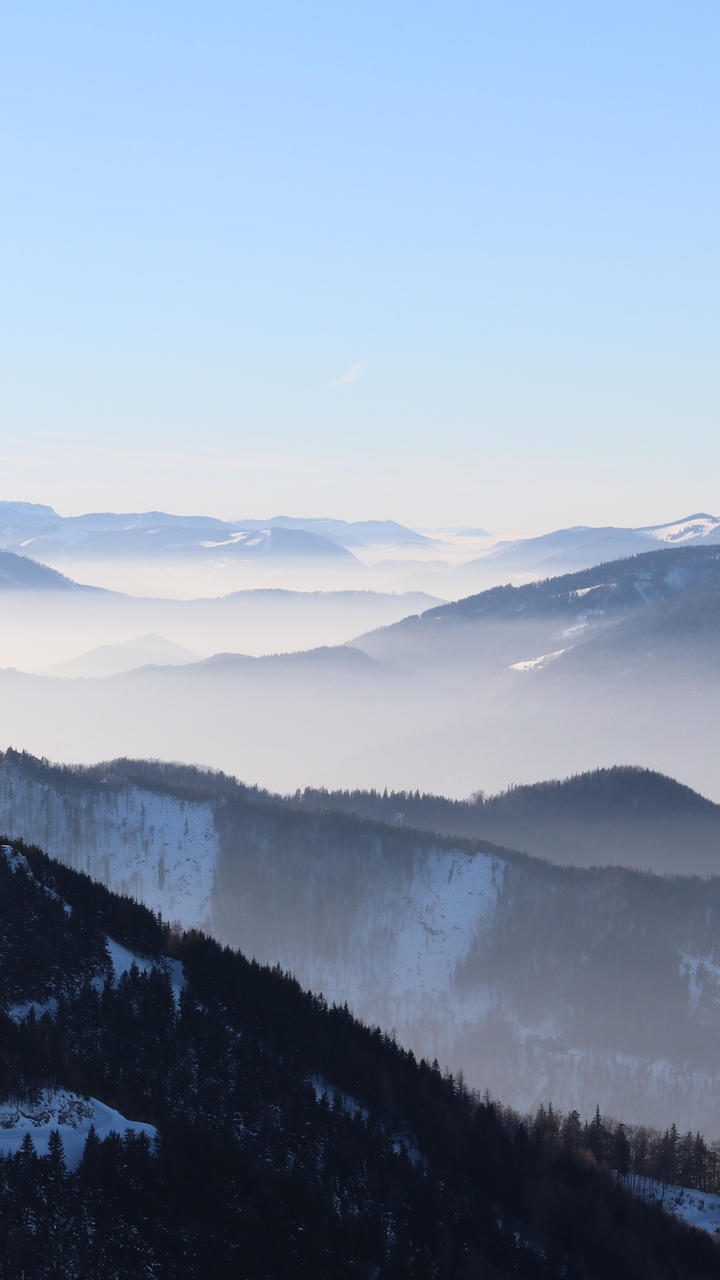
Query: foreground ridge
{"type": "Point", "coordinates": [291, 1139]}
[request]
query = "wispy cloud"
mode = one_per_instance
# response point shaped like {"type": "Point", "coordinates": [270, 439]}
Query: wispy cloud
{"type": "Point", "coordinates": [352, 374]}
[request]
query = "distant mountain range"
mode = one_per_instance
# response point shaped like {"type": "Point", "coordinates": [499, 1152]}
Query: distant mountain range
{"type": "Point", "coordinates": [145, 536]}
{"type": "Point", "coordinates": [62, 628]}
{"type": "Point", "coordinates": [356, 533]}
{"type": "Point", "coordinates": [38, 531]}
{"type": "Point", "coordinates": [585, 545]}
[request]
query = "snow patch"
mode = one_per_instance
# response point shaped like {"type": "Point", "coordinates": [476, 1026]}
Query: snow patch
{"type": "Point", "coordinates": [642, 587]}
{"type": "Point", "coordinates": [18, 1012]}
{"type": "Point", "coordinates": [570, 632]}
{"type": "Point", "coordinates": [16, 860]}
{"type": "Point", "coordinates": [123, 961]}
{"type": "Point", "coordinates": [449, 896]}
{"type": "Point", "coordinates": [337, 1098]}
{"type": "Point", "coordinates": [398, 959]}
{"type": "Point", "coordinates": [696, 527]}
{"type": "Point", "coordinates": [703, 974]}
{"type": "Point", "coordinates": [70, 1114]}
{"type": "Point", "coordinates": [534, 664]}
{"type": "Point", "coordinates": [696, 1208]}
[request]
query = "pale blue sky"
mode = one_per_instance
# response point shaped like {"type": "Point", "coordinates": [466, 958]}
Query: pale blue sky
{"type": "Point", "coordinates": [503, 218]}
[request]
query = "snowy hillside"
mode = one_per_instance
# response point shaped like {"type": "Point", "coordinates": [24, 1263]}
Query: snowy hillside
{"type": "Point", "coordinates": [276, 1134]}
{"type": "Point", "coordinates": [696, 1208]}
{"type": "Point", "coordinates": [402, 943]}
{"type": "Point", "coordinates": [693, 529]}
{"type": "Point", "coordinates": [154, 847]}
{"type": "Point", "coordinates": [395, 951]}
{"type": "Point", "coordinates": [443, 941]}
{"type": "Point", "coordinates": [66, 1112]}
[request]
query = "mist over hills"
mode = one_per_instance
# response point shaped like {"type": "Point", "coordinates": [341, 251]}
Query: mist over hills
{"type": "Point", "coordinates": [112, 659]}
{"type": "Point", "coordinates": [48, 627]}
{"type": "Point", "coordinates": [157, 553]}
{"type": "Point", "coordinates": [160, 554]}
{"type": "Point", "coordinates": [619, 662]}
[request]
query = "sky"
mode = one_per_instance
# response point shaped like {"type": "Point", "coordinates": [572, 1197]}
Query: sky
{"type": "Point", "coordinates": [446, 264]}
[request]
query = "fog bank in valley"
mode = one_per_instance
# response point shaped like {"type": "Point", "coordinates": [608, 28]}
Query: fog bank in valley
{"type": "Point", "coordinates": [614, 664]}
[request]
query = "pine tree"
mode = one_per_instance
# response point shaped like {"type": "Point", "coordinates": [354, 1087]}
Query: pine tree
{"type": "Point", "coordinates": [55, 1157]}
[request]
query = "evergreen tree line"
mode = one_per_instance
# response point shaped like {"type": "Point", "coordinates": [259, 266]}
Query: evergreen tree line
{"type": "Point", "coordinates": [626, 815]}
{"type": "Point", "coordinates": [637, 1153]}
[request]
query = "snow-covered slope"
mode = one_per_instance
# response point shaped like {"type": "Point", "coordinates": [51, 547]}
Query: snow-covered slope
{"type": "Point", "coordinates": [693, 529]}
{"type": "Point", "coordinates": [393, 953]}
{"type": "Point", "coordinates": [154, 847]}
{"type": "Point", "coordinates": [398, 948]}
{"type": "Point", "coordinates": [66, 1112]}
{"type": "Point", "coordinates": [697, 1208]}
{"type": "Point", "coordinates": [494, 963]}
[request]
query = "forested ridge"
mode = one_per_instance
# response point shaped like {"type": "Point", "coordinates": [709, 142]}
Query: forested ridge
{"type": "Point", "coordinates": [535, 980]}
{"type": "Point", "coordinates": [292, 1140]}
{"type": "Point", "coordinates": [626, 815]}
{"type": "Point", "coordinates": [623, 815]}
{"type": "Point", "coordinates": [666, 574]}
